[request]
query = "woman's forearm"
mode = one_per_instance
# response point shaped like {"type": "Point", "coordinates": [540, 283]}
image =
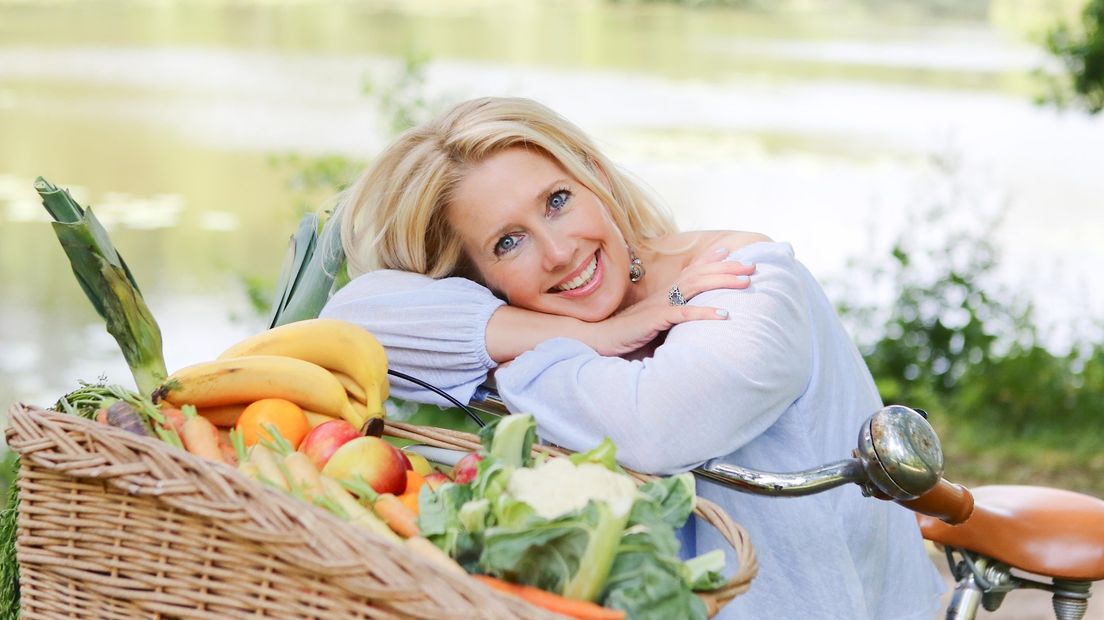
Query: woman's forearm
{"type": "Point", "coordinates": [513, 331]}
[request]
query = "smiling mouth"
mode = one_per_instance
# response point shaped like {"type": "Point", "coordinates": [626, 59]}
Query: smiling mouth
{"type": "Point", "coordinates": [583, 278]}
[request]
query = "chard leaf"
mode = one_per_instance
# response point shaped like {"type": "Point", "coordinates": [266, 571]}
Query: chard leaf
{"type": "Point", "coordinates": [439, 521]}
{"type": "Point", "coordinates": [604, 454]}
{"type": "Point", "coordinates": [491, 478]}
{"type": "Point", "coordinates": [570, 555]}
{"type": "Point", "coordinates": [673, 496]}
{"type": "Point", "coordinates": [510, 438]}
{"type": "Point", "coordinates": [648, 590]}
{"type": "Point", "coordinates": [473, 515]}
{"type": "Point", "coordinates": [705, 572]}
{"type": "Point", "coordinates": [647, 580]}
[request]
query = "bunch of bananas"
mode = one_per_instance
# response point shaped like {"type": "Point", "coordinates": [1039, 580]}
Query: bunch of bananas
{"type": "Point", "coordinates": [330, 368]}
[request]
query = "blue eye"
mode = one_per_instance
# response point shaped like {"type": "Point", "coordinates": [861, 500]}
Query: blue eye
{"type": "Point", "coordinates": [505, 245]}
{"type": "Point", "coordinates": [558, 199]}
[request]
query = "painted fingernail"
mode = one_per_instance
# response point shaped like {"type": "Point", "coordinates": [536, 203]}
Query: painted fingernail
{"type": "Point", "coordinates": [721, 312]}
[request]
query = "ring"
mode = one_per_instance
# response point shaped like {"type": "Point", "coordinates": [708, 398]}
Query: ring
{"type": "Point", "coordinates": [674, 296]}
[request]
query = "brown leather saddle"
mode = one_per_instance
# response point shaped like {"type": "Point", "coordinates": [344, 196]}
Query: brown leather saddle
{"type": "Point", "coordinates": [1044, 531]}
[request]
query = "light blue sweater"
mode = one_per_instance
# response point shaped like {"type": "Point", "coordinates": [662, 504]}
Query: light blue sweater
{"type": "Point", "coordinates": [779, 386]}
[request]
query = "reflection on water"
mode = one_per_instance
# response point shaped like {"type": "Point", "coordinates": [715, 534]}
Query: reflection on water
{"type": "Point", "coordinates": [812, 125]}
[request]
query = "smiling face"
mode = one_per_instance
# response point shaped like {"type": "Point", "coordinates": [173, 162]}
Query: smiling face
{"type": "Point", "coordinates": [539, 237]}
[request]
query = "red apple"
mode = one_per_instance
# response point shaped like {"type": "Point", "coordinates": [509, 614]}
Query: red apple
{"type": "Point", "coordinates": [323, 440]}
{"type": "Point", "coordinates": [436, 479]}
{"type": "Point", "coordinates": [466, 468]}
{"type": "Point", "coordinates": [406, 460]}
{"type": "Point", "coordinates": [373, 459]}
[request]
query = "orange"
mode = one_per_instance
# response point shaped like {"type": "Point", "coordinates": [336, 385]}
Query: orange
{"type": "Point", "coordinates": [410, 500]}
{"type": "Point", "coordinates": [286, 416]}
{"type": "Point", "coordinates": [414, 482]}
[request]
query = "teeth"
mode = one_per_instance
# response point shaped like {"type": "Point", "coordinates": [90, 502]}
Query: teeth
{"type": "Point", "coordinates": [582, 278]}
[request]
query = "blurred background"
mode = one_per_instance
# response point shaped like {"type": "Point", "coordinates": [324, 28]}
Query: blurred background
{"type": "Point", "coordinates": [915, 153]}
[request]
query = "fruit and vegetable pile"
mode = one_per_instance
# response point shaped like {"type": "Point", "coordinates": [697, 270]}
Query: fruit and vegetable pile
{"type": "Point", "coordinates": [298, 408]}
{"type": "Point", "coordinates": [572, 534]}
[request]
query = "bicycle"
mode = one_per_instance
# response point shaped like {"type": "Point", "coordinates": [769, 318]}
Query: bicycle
{"type": "Point", "coordinates": [992, 530]}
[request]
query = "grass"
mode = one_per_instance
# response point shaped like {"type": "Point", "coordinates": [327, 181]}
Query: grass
{"type": "Point", "coordinates": [1061, 458]}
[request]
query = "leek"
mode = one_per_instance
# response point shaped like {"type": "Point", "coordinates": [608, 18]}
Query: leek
{"type": "Point", "coordinates": [108, 284]}
{"type": "Point", "coordinates": [314, 268]}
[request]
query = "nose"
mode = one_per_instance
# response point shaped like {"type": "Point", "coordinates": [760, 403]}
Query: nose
{"type": "Point", "coordinates": [559, 250]}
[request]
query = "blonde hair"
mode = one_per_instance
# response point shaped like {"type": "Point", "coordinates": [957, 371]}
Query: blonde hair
{"type": "Point", "coordinates": [394, 215]}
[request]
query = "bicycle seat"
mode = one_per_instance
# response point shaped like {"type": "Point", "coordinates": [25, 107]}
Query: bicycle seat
{"type": "Point", "coordinates": [1039, 530]}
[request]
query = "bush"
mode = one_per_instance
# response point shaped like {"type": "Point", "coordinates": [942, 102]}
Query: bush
{"type": "Point", "coordinates": [955, 343]}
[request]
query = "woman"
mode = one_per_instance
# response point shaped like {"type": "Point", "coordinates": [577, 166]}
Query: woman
{"type": "Point", "coordinates": [498, 239]}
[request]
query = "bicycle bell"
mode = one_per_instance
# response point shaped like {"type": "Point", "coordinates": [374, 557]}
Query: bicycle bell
{"type": "Point", "coordinates": [900, 453]}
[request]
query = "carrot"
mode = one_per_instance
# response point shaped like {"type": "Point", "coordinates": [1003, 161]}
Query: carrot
{"type": "Point", "coordinates": [356, 513]}
{"type": "Point", "coordinates": [387, 507]}
{"type": "Point", "coordinates": [174, 418]}
{"type": "Point", "coordinates": [200, 437]}
{"type": "Point", "coordinates": [229, 454]}
{"type": "Point", "coordinates": [101, 415]}
{"type": "Point", "coordinates": [431, 552]}
{"type": "Point", "coordinates": [572, 608]}
{"type": "Point", "coordinates": [268, 469]}
{"type": "Point", "coordinates": [303, 476]}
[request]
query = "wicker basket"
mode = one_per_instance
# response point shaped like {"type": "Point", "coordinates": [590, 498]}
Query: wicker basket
{"type": "Point", "coordinates": [112, 525]}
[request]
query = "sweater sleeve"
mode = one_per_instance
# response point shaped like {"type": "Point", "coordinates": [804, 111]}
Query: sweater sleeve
{"type": "Point", "coordinates": [433, 330]}
{"type": "Point", "coordinates": [710, 388]}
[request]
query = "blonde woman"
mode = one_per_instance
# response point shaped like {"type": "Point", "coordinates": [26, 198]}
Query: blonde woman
{"type": "Point", "coordinates": [498, 239]}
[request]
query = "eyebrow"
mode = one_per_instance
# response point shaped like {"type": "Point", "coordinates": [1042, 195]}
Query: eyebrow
{"type": "Point", "coordinates": [540, 198]}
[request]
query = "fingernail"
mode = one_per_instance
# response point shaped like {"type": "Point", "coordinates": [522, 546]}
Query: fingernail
{"type": "Point", "coordinates": [721, 312]}
{"type": "Point", "coordinates": [720, 250]}
{"type": "Point", "coordinates": [743, 278]}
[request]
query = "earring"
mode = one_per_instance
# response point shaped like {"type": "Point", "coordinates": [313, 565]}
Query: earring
{"type": "Point", "coordinates": [636, 268]}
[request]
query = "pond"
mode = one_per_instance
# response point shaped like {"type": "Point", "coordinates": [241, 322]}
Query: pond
{"type": "Point", "coordinates": [816, 124]}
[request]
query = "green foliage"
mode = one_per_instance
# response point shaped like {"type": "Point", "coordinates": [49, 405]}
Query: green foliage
{"type": "Point", "coordinates": [403, 99]}
{"type": "Point", "coordinates": [403, 102]}
{"type": "Point", "coordinates": [1080, 49]}
{"type": "Point", "coordinates": [953, 343]}
{"type": "Point", "coordinates": [9, 567]}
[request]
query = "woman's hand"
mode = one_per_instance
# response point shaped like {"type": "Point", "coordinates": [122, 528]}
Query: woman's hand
{"type": "Point", "coordinates": [639, 324]}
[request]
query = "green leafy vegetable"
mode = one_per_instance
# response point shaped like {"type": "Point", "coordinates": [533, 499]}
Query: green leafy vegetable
{"type": "Point", "coordinates": [576, 526]}
{"type": "Point", "coordinates": [108, 283]}
{"type": "Point", "coordinates": [705, 571]}
{"type": "Point", "coordinates": [604, 454]}
{"type": "Point", "coordinates": [510, 439]}
{"type": "Point", "coordinates": [674, 497]}
{"type": "Point", "coordinates": [647, 580]}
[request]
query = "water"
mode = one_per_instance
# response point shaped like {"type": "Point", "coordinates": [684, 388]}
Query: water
{"type": "Point", "coordinates": [815, 125]}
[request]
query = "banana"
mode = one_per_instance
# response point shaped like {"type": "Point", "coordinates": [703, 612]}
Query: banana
{"type": "Point", "coordinates": [355, 390]}
{"type": "Point", "coordinates": [314, 419]}
{"type": "Point", "coordinates": [247, 379]}
{"type": "Point", "coordinates": [366, 412]}
{"type": "Point", "coordinates": [338, 346]}
{"type": "Point", "coordinates": [223, 415]}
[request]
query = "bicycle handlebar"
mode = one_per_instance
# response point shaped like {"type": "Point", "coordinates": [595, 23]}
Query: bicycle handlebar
{"type": "Point", "coordinates": [951, 503]}
{"type": "Point", "coordinates": [898, 458]}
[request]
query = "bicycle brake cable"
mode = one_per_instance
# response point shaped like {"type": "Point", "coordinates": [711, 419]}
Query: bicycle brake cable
{"type": "Point", "coordinates": [439, 392]}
